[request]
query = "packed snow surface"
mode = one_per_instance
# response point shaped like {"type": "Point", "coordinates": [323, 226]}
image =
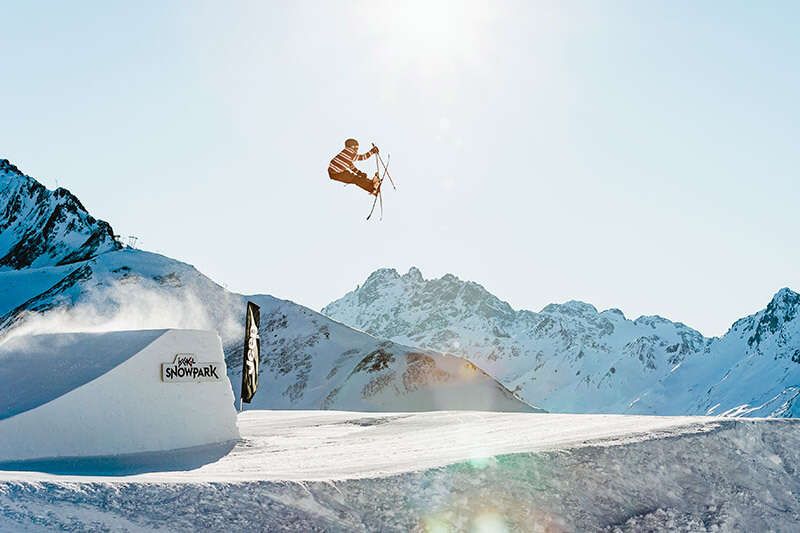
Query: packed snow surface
{"type": "Point", "coordinates": [102, 394]}
{"type": "Point", "coordinates": [44, 367]}
{"type": "Point", "coordinates": [445, 471]}
{"type": "Point", "coordinates": [326, 445]}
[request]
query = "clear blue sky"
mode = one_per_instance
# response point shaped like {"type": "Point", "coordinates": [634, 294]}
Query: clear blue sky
{"type": "Point", "coordinates": [640, 155]}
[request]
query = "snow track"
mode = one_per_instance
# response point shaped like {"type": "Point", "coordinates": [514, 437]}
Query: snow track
{"type": "Point", "coordinates": [335, 471]}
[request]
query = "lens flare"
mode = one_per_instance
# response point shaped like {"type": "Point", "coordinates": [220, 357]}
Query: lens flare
{"type": "Point", "coordinates": [489, 522]}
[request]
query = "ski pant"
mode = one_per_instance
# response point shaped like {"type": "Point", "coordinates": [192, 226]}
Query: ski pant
{"type": "Point", "coordinates": [355, 177]}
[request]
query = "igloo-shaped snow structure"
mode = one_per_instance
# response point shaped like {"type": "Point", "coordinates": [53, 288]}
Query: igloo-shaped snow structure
{"type": "Point", "coordinates": [115, 393]}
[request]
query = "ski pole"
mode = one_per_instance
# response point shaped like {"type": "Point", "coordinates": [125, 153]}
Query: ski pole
{"type": "Point", "coordinates": [380, 191]}
{"type": "Point", "coordinates": [385, 169]}
{"type": "Point", "coordinates": [380, 181]}
{"type": "Point", "coordinates": [379, 197]}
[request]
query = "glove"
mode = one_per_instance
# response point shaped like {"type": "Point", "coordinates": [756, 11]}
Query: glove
{"type": "Point", "coordinates": [374, 149]}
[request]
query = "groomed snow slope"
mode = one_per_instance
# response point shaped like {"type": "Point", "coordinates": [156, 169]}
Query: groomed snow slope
{"type": "Point", "coordinates": [101, 394]}
{"type": "Point", "coordinates": [447, 471]}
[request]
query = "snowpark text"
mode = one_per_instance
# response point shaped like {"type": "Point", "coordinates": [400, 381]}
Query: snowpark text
{"type": "Point", "coordinates": [184, 368]}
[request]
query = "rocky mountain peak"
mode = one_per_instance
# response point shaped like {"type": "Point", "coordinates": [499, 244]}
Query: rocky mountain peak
{"type": "Point", "coordinates": [44, 228]}
{"type": "Point", "coordinates": [570, 356]}
{"type": "Point", "coordinates": [614, 312]}
{"type": "Point", "coordinates": [454, 297]}
{"type": "Point", "coordinates": [785, 299]}
{"type": "Point", "coordinates": [7, 169]}
{"type": "Point", "coordinates": [414, 275]}
{"type": "Point", "coordinates": [382, 276]}
{"type": "Point", "coordinates": [571, 308]}
{"type": "Point", "coordinates": [782, 309]}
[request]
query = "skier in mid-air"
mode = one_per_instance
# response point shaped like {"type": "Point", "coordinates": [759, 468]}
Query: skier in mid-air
{"type": "Point", "coordinates": [342, 168]}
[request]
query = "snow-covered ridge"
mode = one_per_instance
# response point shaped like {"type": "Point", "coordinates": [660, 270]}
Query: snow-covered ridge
{"type": "Point", "coordinates": [40, 227]}
{"type": "Point", "coordinates": [571, 357]}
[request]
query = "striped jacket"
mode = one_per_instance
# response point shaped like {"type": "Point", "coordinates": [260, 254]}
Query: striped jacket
{"type": "Point", "coordinates": [344, 160]}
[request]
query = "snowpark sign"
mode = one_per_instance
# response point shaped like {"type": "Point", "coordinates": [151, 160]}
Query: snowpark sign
{"type": "Point", "coordinates": [184, 368]}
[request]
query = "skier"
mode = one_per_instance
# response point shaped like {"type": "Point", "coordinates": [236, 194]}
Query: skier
{"type": "Point", "coordinates": [342, 168]}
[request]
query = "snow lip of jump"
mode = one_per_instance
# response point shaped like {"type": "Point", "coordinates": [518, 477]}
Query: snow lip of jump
{"type": "Point", "coordinates": [83, 357]}
{"type": "Point", "coordinates": [282, 446]}
{"type": "Point", "coordinates": [101, 410]}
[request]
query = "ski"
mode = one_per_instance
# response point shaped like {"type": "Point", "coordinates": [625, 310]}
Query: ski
{"type": "Point", "coordinates": [378, 195]}
{"type": "Point", "coordinates": [375, 201]}
{"type": "Point", "coordinates": [386, 169]}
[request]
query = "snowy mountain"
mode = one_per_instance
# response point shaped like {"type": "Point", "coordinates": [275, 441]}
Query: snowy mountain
{"type": "Point", "coordinates": [39, 227]}
{"type": "Point", "coordinates": [65, 272]}
{"type": "Point", "coordinates": [753, 370]}
{"type": "Point", "coordinates": [573, 358]}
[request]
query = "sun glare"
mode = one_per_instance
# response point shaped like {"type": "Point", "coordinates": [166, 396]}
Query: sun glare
{"type": "Point", "coordinates": [431, 32]}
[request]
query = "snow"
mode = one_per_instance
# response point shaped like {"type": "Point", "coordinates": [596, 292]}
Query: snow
{"type": "Point", "coordinates": [92, 440]}
{"type": "Point", "coordinates": [340, 471]}
{"type": "Point", "coordinates": [567, 358]}
{"type": "Point", "coordinates": [328, 445]}
{"type": "Point", "coordinates": [45, 367]}
{"type": "Point", "coordinates": [312, 362]}
{"type": "Point", "coordinates": [308, 361]}
{"type": "Point", "coordinates": [571, 358]}
{"type": "Point", "coordinates": [17, 286]}
{"type": "Point", "coordinates": [102, 395]}
{"type": "Point", "coordinates": [42, 228]}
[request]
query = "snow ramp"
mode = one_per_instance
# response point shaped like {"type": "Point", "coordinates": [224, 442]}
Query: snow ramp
{"type": "Point", "coordinates": [77, 395]}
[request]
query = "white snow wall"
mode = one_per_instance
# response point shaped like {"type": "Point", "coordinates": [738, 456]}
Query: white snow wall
{"type": "Point", "coordinates": [127, 408]}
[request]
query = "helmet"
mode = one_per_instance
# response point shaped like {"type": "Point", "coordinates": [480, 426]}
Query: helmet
{"type": "Point", "coordinates": [351, 143]}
